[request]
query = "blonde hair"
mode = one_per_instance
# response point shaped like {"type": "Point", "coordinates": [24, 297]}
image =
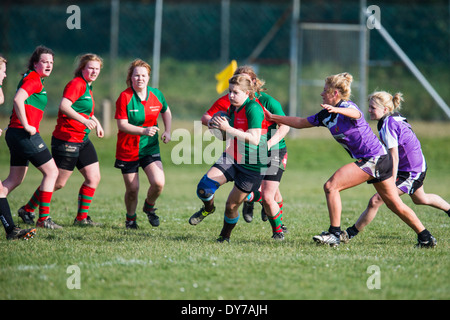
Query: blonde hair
{"type": "Point", "coordinates": [244, 83]}
{"type": "Point", "coordinates": [2, 60]}
{"type": "Point", "coordinates": [83, 61]}
{"type": "Point", "coordinates": [341, 82]}
{"type": "Point", "coordinates": [256, 82]}
{"type": "Point", "coordinates": [385, 99]}
{"type": "Point", "coordinates": [134, 64]}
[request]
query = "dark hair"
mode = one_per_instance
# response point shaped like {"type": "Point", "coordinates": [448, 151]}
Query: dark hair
{"type": "Point", "coordinates": [37, 55]}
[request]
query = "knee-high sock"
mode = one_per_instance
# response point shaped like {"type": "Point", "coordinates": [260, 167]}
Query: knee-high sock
{"type": "Point", "coordinates": [45, 198]}
{"type": "Point", "coordinates": [5, 215]}
{"type": "Point", "coordinates": [85, 196]}
{"type": "Point", "coordinates": [276, 223]}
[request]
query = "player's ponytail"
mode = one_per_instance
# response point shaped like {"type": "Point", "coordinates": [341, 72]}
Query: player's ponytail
{"type": "Point", "coordinates": [397, 100]}
{"type": "Point", "coordinates": [385, 100]}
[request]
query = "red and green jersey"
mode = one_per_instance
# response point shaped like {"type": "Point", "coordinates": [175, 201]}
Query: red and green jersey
{"type": "Point", "coordinates": [267, 102]}
{"type": "Point", "coordinates": [79, 92]}
{"type": "Point", "coordinates": [34, 104]}
{"type": "Point", "coordinates": [249, 116]}
{"type": "Point", "coordinates": [221, 104]}
{"type": "Point", "coordinates": [139, 113]}
{"type": "Point", "coordinates": [274, 107]}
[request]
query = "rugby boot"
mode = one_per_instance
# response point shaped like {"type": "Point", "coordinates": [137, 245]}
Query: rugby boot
{"type": "Point", "coordinates": [152, 217]}
{"type": "Point", "coordinates": [18, 233]}
{"type": "Point", "coordinates": [48, 224]}
{"type": "Point", "coordinates": [247, 211]}
{"type": "Point", "coordinates": [222, 239]}
{"type": "Point", "coordinates": [430, 243]}
{"type": "Point", "coordinates": [27, 217]}
{"type": "Point", "coordinates": [131, 224]}
{"type": "Point", "coordinates": [86, 222]}
{"type": "Point", "coordinates": [201, 214]}
{"type": "Point", "coordinates": [327, 238]}
{"type": "Point", "coordinates": [278, 236]}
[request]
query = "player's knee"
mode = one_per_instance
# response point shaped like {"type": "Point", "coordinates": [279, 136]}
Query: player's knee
{"type": "Point", "coordinates": [328, 187]}
{"type": "Point", "coordinates": [206, 188]}
{"type": "Point", "coordinates": [376, 201]}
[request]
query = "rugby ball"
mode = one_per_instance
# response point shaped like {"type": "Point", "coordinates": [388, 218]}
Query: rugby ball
{"type": "Point", "coordinates": [213, 128]}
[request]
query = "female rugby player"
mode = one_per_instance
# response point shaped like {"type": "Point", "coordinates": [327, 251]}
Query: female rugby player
{"type": "Point", "coordinates": [409, 162]}
{"type": "Point", "coordinates": [374, 165]}
{"type": "Point", "coordinates": [23, 138]}
{"type": "Point", "coordinates": [137, 111]}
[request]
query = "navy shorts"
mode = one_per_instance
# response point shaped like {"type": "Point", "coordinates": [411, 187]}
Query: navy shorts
{"type": "Point", "coordinates": [25, 148]}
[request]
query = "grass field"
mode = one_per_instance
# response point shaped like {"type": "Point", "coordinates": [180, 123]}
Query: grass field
{"type": "Point", "coordinates": [179, 261]}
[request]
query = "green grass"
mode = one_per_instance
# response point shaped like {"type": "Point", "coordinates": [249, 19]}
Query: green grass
{"type": "Point", "coordinates": [179, 261]}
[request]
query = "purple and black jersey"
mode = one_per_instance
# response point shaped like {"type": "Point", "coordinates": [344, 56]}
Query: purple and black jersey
{"type": "Point", "coordinates": [355, 135]}
{"type": "Point", "coordinates": [395, 131]}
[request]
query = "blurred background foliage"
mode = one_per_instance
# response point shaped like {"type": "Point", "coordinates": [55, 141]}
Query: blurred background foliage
{"type": "Point", "coordinates": [191, 47]}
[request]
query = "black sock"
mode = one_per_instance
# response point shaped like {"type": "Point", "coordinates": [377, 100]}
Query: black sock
{"type": "Point", "coordinates": [424, 235]}
{"type": "Point", "coordinates": [5, 215]}
{"type": "Point", "coordinates": [352, 231]}
{"type": "Point", "coordinates": [226, 230]}
{"type": "Point", "coordinates": [448, 212]}
{"type": "Point", "coordinates": [335, 230]}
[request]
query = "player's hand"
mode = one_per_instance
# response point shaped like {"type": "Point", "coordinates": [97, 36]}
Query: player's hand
{"type": "Point", "coordinates": [329, 108]}
{"type": "Point", "coordinates": [90, 124]}
{"type": "Point", "coordinates": [221, 123]}
{"type": "Point", "coordinates": [30, 129]}
{"type": "Point", "coordinates": [165, 137]}
{"type": "Point", "coordinates": [100, 132]}
{"type": "Point", "coordinates": [267, 114]}
{"type": "Point", "coordinates": [150, 131]}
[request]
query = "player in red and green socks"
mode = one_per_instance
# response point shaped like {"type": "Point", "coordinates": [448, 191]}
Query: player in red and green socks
{"type": "Point", "coordinates": [23, 138]}
{"type": "Point", "coordinates": [137, 111]}
{"type": "Point", "coordinates": [71, 146]}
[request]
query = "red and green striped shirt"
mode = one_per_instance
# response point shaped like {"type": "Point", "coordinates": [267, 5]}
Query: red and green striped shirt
{"type": "Point", "coordinates": [140, 113]}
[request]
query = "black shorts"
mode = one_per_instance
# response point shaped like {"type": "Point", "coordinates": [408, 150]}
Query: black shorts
{"type": "Point", "coordinates": [25, 148]}
{"type": "Point", "coordinates": [133, 166]}
{"type": "Point", "coordinates": [278, 160]}
{"type": "Point", "coordinates": [244, 179]}
{"type": "Point", "coordinates": [409, 182]}
{"type": "Point", "coordinates": [67, 155]}
{"type": "Point", "coordinates": [379, 167]}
